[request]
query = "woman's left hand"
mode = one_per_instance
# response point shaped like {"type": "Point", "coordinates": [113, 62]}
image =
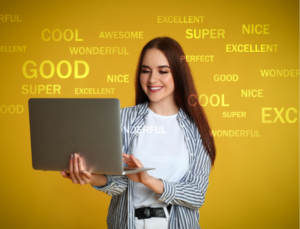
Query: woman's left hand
{"type": "Point", "coordinates": [131, 161]}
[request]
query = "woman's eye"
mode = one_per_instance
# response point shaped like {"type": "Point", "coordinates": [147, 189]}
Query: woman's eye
{"type": "Point", "coordinates": [161, 72]}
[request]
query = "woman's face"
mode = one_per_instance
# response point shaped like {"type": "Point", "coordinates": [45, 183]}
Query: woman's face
{"type": "Point", "coordinates": [156, 77]}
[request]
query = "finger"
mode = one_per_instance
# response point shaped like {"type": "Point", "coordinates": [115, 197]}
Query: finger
{"type": "Point", "coordinates": [126, 156]}
{"type": "Point", "coordinates": [65, 175]}
{"type": "Point", "coordinates": [81, 169]}
{"type": "Point", "coordinates": [76, 169]}
{"type": "Point", "coordinates": [87, 174]}
{"type": "Point", "coordinates": [132, 164]}
{"type": "Point", "coordinates": [71, 170]}
{"type": "Point", "coordinates": [126, 159]}
{"type": "Point", "coordinates": [84, 167]}
{"type": "Point", "coordinates": [137, 161]}
{"type": "Point", "coordinates": [129, 162]}
{"type": "Point", "coordinates": [83, 162]}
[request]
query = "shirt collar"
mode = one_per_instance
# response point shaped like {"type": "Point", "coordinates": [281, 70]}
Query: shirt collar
{"type": "Point", "coordinates": [143, 110]}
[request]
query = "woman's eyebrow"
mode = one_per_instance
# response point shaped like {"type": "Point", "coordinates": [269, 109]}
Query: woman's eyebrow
{"type": "Point", "coordinates": [161, 66]}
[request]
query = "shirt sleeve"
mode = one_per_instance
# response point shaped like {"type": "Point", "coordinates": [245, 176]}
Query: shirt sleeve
{"type": "Point", "coordinates": [116, 184]}
{"type": "Point", "coordinates": [190, 193]}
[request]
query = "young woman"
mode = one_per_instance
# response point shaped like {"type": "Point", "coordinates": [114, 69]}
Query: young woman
{"type": "Point", "coordinates": [169, 131]}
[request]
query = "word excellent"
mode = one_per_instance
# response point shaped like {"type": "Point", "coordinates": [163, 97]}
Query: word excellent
{"type": "Point", "coordinates": [180, 19]}
{"type": "Point", "coordinates": [94, 91]}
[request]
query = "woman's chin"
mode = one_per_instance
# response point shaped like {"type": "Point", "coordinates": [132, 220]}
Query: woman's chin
{"type": "Point", "coordinates": [155, 99]}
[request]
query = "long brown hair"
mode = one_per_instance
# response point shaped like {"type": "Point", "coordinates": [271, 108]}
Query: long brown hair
{"type": "Point", "coordinates": [184, 88]}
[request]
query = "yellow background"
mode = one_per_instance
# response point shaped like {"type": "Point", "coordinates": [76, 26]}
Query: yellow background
{"type": "Point", "coordinates": [255, 181]}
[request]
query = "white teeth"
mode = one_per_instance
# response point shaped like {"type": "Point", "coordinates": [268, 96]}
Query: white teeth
{"type": "Point", "coordinates": [155, 88]}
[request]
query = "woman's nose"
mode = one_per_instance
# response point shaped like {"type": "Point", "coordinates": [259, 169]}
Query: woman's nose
{"type": "Point", "coordinates": [154, 77]}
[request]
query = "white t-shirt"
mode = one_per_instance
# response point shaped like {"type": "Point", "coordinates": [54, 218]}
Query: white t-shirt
{"type": "Point", "coordinates": [160, 145]}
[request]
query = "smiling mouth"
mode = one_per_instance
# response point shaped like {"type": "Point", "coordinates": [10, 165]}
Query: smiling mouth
{"type": "Point", "coordinates": [155, 89]}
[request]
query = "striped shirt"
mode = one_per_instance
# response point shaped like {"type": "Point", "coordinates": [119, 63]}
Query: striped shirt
{"type": "Point", "coordinates": [186, 195]}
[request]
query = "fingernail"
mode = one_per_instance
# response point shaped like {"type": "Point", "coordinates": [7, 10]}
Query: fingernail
{"type": "Point", "coordinates": [71, 156]}
{"type": "Point", "coordinates": [83, 171]}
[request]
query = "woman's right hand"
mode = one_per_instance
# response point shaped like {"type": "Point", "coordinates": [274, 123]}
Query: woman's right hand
{"type": "Point", "coordinates": [79, 175]}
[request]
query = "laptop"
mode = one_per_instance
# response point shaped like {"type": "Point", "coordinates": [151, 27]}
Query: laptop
{"type": "Point", "coordinates": [90, 127]}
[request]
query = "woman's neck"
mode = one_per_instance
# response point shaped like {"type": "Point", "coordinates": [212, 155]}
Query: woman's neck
{"type": "Point", "coordinates": [165, 108]}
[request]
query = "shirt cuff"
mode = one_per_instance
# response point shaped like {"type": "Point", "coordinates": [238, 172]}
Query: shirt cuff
{"type": "Point", "coordinates": [105, 187]}
{"type": "Point", "coordinates": [169, 191]}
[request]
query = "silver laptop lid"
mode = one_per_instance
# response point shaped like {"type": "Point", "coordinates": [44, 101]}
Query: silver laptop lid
{"type": "Point", "coordinates": [91, 127]}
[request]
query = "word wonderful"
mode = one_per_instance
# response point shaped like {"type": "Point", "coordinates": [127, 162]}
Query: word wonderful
{"type": "Point", "coordinates": [98, 50]}
{"type": "Point", "coordinates": [235, 133]}
{"type": "Point", "coordinates": [9, 18]}
{"type": "Point", "coordinates": [279, 72]}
